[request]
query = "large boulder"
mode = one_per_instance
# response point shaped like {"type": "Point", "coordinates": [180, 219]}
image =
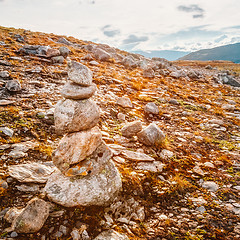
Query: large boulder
{"type": "Point", "coordinates": [75, 147]}
{"type": "Point", "coordinates": [89, 190]}
{"type": "Point", "coordinates": [75, 115]}
{"type": "Point", "coordinates": [74, 91]}
{"type": "Point", "coordinates": [79, 74]}
{"type": "Point", "coordinates": [151, 135]}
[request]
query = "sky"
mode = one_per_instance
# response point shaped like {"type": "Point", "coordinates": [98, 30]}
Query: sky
{"type": "Point", "coordinates": [132, 25]}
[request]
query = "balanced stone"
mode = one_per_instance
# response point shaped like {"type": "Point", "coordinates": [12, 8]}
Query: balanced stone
{"type": "Point", "coordinates": [74, 91]}
{"type": "Point", "coordinates": [89, 190]}
{"type": "Point", "coordinates": [75, 147]}
{"type": "Point", "coordinates": [75, 115]}
{"type": "Point", "coordinates": [93, 164]}
{"type": "Point", "coordinates": [79, 74]}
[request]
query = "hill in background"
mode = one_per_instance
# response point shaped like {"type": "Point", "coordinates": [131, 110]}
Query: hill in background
{"type": "Point", "coordinates": [229, 52]}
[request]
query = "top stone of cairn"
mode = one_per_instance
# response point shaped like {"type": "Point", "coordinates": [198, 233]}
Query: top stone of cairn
{"type": "Point", "coordinates": [79, 74]}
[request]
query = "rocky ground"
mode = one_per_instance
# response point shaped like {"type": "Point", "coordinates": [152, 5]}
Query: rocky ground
{"type": "Point", "coordinates": [186, 187]}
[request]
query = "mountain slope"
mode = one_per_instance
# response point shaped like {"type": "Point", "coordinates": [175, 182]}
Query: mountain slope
{"type": "Point", "coordinates": [229, 52]}
{"type": "Point", "coordinates": [170, 55]}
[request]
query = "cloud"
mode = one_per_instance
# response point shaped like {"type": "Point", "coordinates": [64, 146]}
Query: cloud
{"type": "Point", "coordinates": [219, 39]}
{"type": "Point", "coordinates": [197, 11]}
{"type": "Point", "coordinates": [133, 39]}
{"type": "Point", "coordinates": [109, 31]}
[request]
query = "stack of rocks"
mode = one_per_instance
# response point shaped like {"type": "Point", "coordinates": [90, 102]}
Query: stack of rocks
{"type": "Point", "coordinates": [86, 175]}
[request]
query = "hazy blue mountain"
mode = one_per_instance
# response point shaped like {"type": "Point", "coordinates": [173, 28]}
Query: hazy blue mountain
{"type": "Point", "coordinates": [167, 54]}
{"type": "Point", "coordinates": [229, 52]}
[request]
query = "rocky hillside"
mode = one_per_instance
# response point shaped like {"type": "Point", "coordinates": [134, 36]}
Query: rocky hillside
{"type": "Point", "coordinates": [172, 128]}
{"type": "Point", "coordinates": [229, 52]}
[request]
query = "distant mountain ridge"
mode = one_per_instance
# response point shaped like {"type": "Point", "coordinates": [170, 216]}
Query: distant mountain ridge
{"type": "Point", "coordinates": [230, 52]}
{"type": "Point", "coordinates": [170, 55]}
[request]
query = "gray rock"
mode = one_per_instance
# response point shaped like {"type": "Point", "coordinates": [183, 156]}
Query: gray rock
{"type": "Point", "coordinates": [26, 188]}
{"type": "Point", "coordinates": [13, 86]}
{"type": "Point", "coordinates": [151, 135]}
{"type": "Point", "coordinates": [64, 41]}
{"type": "Point", "coordinates": [137, 156]}
{"type": "Point", "coordinates": [174, 102]}
{"type": "Point", "coordinates": [155, 166]}
{"type": "Point", "coordinates": [79, 74]}
{"type": "Point", "coordinates": [94, 63]}
{"type": "Point", "coordinates": [64, 51]}
{"type": "Point", "coordinates": [111, 235]}
{"type": "Point", "coordinates": [210, 185]}
{"type": "Point", "coordinates": [5, 131]}
{"type": "Point", "coordinates": [131, 129]}
{"type": "Point", "coordinates": [166, 154]}
{"type": "Point", "coordinates": [74, 91]}
{"type": "Point", "coordinates": [101, 55]}
{"type": "Point", "coordinates": [11, 214]}
{"type": "Point", "coordinates": [75, 234]}
{"type": "Point", "coordinates": [17, 154]}
{"type": "Point", "coordinates": [75, 115]}
{"type": "Point", "coordinates": [3, 184]}
{"type": "Point", "coordinates": [89, 190]}
{"type": "Point", "coordinates": [32, 218]}
{"type": "Point", "coordinates": [151, 108]}
{"type": "Point", "coordinates": [75, 147]}
{"type": "Point", "coordinates": [58, 59]}
{"type": "Point", "coordinates": [13, 234]}
{"type": "Point", "coordinates": [31, 172]}
{"type": "Point", "coordinates": [124, 102]}
{"type": "Point", "coordinates": [130, 62]}
{"type": "Point", "coordinates": [4, 74]}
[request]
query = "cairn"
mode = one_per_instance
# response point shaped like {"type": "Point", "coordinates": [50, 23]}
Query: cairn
{"type": "Point", "coordinates": [86, 175]}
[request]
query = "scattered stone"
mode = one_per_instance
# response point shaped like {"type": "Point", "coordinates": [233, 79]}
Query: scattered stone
{"type": "Point", "coordinates": [94, 63]}
{"type": "Point", "coordinates": [3, 185]}
{"type": "Point", "coordinates": [124, 102]}
{"type": "Point", "coordinates": [130, 62]}
{"type": "Point", "coordinates": [17, 154]}
{"type": "Point", "coordinates": [151, 108]}
{"type": "Point", "coordinates": [210, 185]}
{"type": "Point", "coordinates": [13, 86]}
{"type": "Point", "coordinates": [75, 234]}
{"type": "Point", "coordinates": [4, 74]}
{"type": "Point", "coordinates": [101, 55]}
{"type": "Point", "coordinates": [151, 135]}
{"type": "Point", "coordinates": [121, 116]}
{"type": "Point", "coordinates": [111, 235]}
{"type": "Point", "coordinates": [31, 172]}
{"type": "Point", "coordinates": [119, 160]}
{"type": "Point", "coordinates": [64, 41]}
{"type": "Point", "coordinates": [26, 188]}
{"type": "Point", "coordinates": [148, 73]}
{"type": "Point", "coordinates": [32, 217]}
{"type": "Point", "coordinates": [58, 59]}
{"type": "Point", "coordinates": [5, 63]}
{"type": "Point", "coordinates": [155, 166]}
{"type": "Point", "coordinates": [13, 234]}
{"type": "Point", "coordinates": [136, 156]}
{"type": "Point", "coordinates": [75, 147]}
{"type": "Point", "coordinates": [131, 129]}
{"type": "Point", "coordinates": [79, 74]}
{"type": "Point", "coordinates": [6, 132]}
{"type": "Point", "coordinates": [74, 91]}
{"type": "Point", "coordinates": [166, 154]}
{"type": "Point", "coordinates": [6, 102]}
{"type": "Point", "coordinates": [64, 51]}
{"type": "Point", "coordinates": [89, 190]}
{"type": "Point", "coordinates": [174, 102]}
{"type": "Point", "coordinates": [209, 165]}
{"type": "Point", "coordinates": [75, 115]}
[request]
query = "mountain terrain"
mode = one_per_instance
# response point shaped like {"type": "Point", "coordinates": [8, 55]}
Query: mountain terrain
{"type": "Point", "coordinates": [186, 186]}
{"type": "Point", "coordinates": [229, 52]}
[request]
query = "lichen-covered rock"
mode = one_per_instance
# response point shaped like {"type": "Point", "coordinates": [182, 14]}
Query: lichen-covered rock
{"type": "Point", "coordinates": [74, 91]}
{"type": "Point", "coordinates": [79, 74]}
{"type": "Point", "coordinates": [64, 51]}
{"type": "Point", "coordinates": [32, 217]}
{"type": "Point", "coordinates": [75, 115]}
{"type": "Point", "coordinates": [111, 235]}
{"type": "Point", "coordinates": [151, 135]}
{"type": "Point", "coordinates": [13, 86]}
{"type": "Point", "coordinates": [75, 147]}
{"type": "Point", "coordinates": [89, 190]}
{"type": "Point", "coordinates": [131, 129]}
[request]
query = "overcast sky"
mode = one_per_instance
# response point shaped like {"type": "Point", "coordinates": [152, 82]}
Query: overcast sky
{"type": "Point", "coordinates": [186, 25]}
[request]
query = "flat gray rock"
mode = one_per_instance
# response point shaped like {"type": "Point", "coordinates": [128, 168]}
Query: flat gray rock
{"type": "Point", "coordinates": [31, 172]}
{"type": "Point", "coordinates": [89, 190]}
{"type": "Point", "coordinates": [75, 147]}
{"type": "Point", "coordinates": [111, 235]}
{"type": "Point", "coordinates": [77, 92]}
{"type": "Point", "coordinates": [137, 156]}
{"type": "Point", "coordinates": [79, 73]}
{"type": "Point", "coordinates": [75, 115]}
